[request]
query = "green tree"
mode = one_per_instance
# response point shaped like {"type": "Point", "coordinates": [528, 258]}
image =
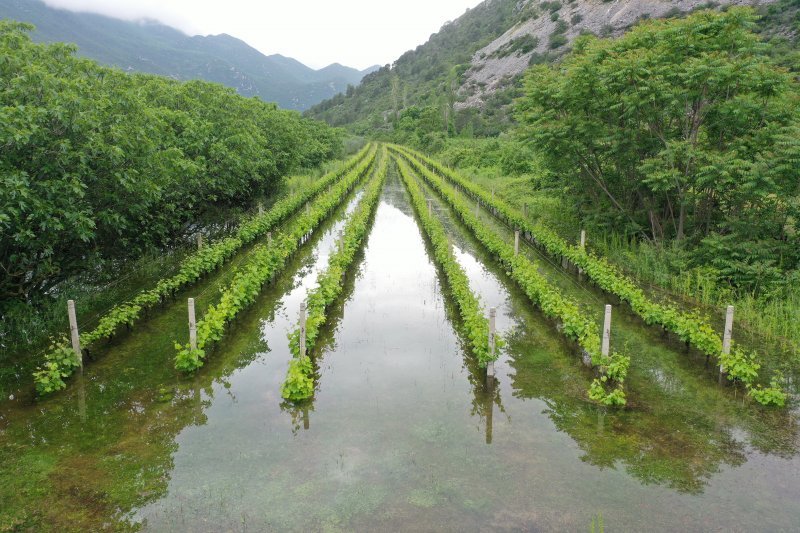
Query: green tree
{"type": "Point", "coordinates": [673, 131]}
{"type": "Point", "coordinates": [99, 163]}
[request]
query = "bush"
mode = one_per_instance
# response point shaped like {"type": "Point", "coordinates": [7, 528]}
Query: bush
{"type": "Point", "coordinates": [557, 40]}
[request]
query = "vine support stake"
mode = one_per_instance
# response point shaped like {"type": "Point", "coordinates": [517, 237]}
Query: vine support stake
{"type": "Point", "coordinates": [606, 349]}
{"type": "Point", "coordinates": [726, 338]}
{"type": "Point", "coordinates": [493, 194]}
{"type": "Point", "coordinates": [199, 241]}
{"type": "Point", "coordinates": [583, 246]}
{"type": "Point", "coordinates": [260, 208]}
{"type": "Point", "coordinates": [302, 329]}
{"type": "Point", "coordinates": [492, 345]}
{"type": "Point", "coordinates": [516, 242]}
{"type": "Point", "coordinates": [192, 325]}
{"type": "Point", "coordinates": [477, 205]}
{"type": "Point", "coordinates": [73, 331]}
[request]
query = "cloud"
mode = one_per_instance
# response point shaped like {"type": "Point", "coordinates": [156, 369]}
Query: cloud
{"type": "Point", "coordinates": [358, 33]}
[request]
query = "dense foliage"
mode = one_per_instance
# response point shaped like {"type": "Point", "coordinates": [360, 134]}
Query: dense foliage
{"type": "Point", "coordinates": [299, 383]}
{"type": "Point", "coordinates": [681, 130]}
{"type": "Point", "coordinates": [476, 325]}
{"type": "Point", "coordinates": [96, 162]}
{"type": "Point", "coordinates": [49, 376]}
{"type": "Point", "coordinates": [691, 328]}
{"type": "Point", "coordinates": [264, 262]}
{"type": "Point", "coordinates": [608, 389]}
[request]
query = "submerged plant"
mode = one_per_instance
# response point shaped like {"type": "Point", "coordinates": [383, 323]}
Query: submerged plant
{"type": "Point", "coordinates": [299, 384]}
{"type": "Point", "coordinates": [60, 362]}
{"type": "Point", "coordinates": [690, 327]}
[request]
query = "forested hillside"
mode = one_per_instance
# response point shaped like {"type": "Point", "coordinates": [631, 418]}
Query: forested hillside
{"type": "Point", "coordinates": [463, 80]}
{"type": "Point", "coordinates": [151, 47]}
{"type": "Point", "coordinates": [421, 86]}
{"type": "Point", "coordinates": [97, 163]}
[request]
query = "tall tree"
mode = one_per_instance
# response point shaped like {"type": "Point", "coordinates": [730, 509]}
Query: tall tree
{"type": "Point", "coordinates": [665, 131]}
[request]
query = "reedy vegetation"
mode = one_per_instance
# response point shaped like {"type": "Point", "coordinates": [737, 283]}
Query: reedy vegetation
{"type": "Point", "coordinates": [264, 262]}
{"type": "Point", "coordinates": [691, 328]}
{"type": "Point", "coordinates": [299, 384]}
{"type": "Point", "coordinates": [608, 389]}
{"type": "Point", "coordinates": [475, 324]}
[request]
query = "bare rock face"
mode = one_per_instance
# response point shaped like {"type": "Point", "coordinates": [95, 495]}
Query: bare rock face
{"type": "Point", "coordinates": [496, 65]}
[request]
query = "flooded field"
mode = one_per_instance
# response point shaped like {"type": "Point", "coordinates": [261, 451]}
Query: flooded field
{"type": "Point", "coordinates": [403, 432]}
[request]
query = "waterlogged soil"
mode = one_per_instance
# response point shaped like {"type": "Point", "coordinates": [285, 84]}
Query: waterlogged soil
{"type": "Point", "coordinates": [403, 433]}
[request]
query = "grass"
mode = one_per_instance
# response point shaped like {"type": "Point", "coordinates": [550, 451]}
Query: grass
{"type": "Point", "coordinates": [774, 317]}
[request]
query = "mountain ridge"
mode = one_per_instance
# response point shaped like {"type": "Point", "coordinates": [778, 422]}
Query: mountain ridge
{"type": "Point", "coordinates": [150, 46]}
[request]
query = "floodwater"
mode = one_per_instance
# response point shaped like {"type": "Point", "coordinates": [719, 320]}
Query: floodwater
{"type": "Point", "coordinates": [403, 433]}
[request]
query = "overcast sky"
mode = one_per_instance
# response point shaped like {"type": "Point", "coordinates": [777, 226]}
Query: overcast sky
{"type": "Point", "coordinates": [357, 33]}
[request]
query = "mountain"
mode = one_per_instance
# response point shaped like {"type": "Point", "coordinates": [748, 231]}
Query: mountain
{"type": "Point", "coordinates": [149, 46]}
{"type": "Point", "coordinates": [466, 75]}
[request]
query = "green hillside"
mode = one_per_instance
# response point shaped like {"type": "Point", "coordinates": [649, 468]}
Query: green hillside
{"type": "Point", "coordinates": [151, 47]}
{"type": "Point", "coordinates": [421, 85]}
{"type": "Point", "coordinates": [426, 94]}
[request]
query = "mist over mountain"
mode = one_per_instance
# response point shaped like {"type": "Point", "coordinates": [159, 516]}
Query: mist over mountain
{"type": "Point", "coordinates": [152, 47]}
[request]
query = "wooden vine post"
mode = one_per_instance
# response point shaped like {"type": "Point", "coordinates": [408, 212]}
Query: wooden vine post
{"type": "Point", "coordinates": [492, 345]}
{"type": "Point", "coordinates": [302, 345]}
{"type": "Point", "coordinates": [726, 339]}
{"type": "Point", "coordinates": [260, 208]}
{"type": "Point", "coordinates": [606, 348]}
{"type": "Point", "coordinates": [73, 331]}
{"type": "Point", "coordinates": [583, 246]}
{"type": "Point", "coordinates": [192, 326]}
{"type": "Point", "coordinates": [199, 241]}
{"type": "Point", "coordinates": [516, 242]}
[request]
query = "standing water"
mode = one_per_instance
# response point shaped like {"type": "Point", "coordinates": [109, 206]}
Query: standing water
{"type": "Point", "coordinates": [402, 433]}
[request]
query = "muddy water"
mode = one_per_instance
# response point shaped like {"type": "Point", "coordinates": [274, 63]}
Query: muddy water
{"type": "Point", "coordinates": [402, 434]}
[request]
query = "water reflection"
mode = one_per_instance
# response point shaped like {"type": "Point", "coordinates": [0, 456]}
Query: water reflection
{"type": "Point", "coordinates": [405, 433]}
{"type": "Point", "coordinates": [85, 457]}
{"type": "Point", "coordinates": [678, 434]}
